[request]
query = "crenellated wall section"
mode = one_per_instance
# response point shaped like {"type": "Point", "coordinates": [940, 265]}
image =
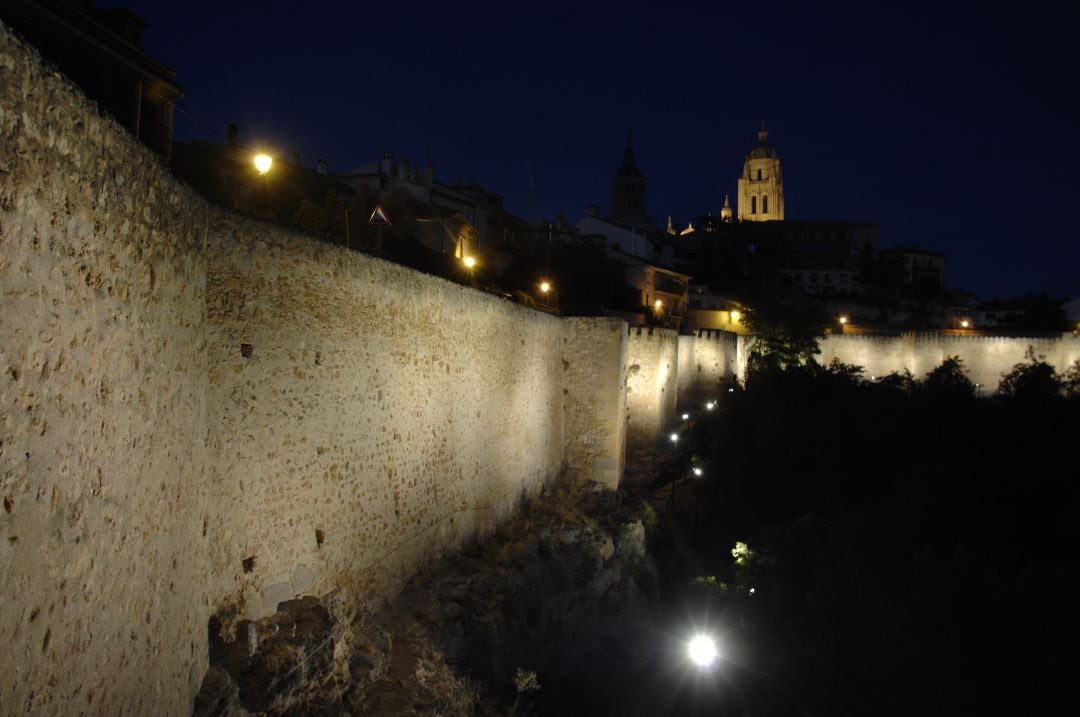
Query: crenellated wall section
{"type": "Point", "coordinates": [652, 382]}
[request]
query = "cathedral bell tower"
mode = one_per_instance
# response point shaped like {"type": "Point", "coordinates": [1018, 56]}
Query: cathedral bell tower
{"type": "Point", "coordinates": [628, 188]}
{"type": "Point", "coordinates": [761, 186]}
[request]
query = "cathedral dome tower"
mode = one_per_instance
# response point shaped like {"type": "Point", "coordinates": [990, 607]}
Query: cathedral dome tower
{"type": "Point", "coordinates": [761, 186]}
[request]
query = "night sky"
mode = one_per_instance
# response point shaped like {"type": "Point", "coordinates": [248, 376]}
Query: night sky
{"type": "Point", "coordinates": [953, 127]}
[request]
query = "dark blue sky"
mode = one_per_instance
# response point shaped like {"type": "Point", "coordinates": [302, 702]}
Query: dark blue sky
{"type": "Point", "coordinates": [954, 126]}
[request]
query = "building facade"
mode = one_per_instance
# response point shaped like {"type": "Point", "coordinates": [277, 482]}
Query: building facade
{"type": "Point", "coordinates": [761, 186]}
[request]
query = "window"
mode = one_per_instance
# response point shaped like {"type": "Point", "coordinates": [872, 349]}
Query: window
{"type": "Point", "coordinates": [759, 174]}
{"type": "Point", "coordinates": [765, 204]}
{"type": "Point", "coordinates": [753, 205]}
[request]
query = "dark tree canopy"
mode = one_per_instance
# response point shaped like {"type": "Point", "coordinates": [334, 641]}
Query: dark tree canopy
{"type": "Point", "coordinates": [786, 324]}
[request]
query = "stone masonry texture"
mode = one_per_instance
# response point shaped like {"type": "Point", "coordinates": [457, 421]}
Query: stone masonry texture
{"type": "Point", "coordinates": [200, 411]}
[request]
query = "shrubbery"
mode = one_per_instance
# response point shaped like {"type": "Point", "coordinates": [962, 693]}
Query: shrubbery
{"type": "Point", "coordinates": [908, 543]}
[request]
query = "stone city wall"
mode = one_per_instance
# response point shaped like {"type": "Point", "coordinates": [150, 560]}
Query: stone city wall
{"type": "Point", "coordinates": [199, 411]}
{"type": "Point", "coordinates": [651, 382]}
{"type": "Point", "coordinates": [985, 358]}
{"type": "Point", "coordinates": [595, 360]}
{"type": "Point", "coordinates": [705, 361]}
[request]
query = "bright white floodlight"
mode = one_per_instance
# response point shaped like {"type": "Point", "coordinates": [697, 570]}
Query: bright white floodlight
{"type": "Point", "coordinates": [674, 437]}
{"type": "Point", "coordinates": [702, 651]}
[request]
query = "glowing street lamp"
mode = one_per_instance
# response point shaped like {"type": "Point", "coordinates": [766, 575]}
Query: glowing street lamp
{"type": "Point", "coordinates": [658, 304]}
{"type": "Point", "coordinates": [965, 324]}
{"type": "Point", "coordinates": [674, 437]}
{"type": "Point", "coordinates": [698, 472]}
{"type": "Point", "coordinates": [545, 287]}
{"type": "Point", "coordinates": [702, 651]}
{"type": "Point", "coordinates": [735, 316]}
{"type": "Point", "coordinates": [686, 416]}
{"type": "Point", "coordinates": [843, 320]}
{"type": "Point", "coordinates": [710, 405]}
{"type": "Point", "coordinates": [469, 261]}
{"type": "Point", "coordinates": [263, 162]}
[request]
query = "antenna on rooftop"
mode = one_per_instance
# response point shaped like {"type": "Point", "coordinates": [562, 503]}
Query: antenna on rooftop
{"type": "Point", "coordinates": [532, 188]}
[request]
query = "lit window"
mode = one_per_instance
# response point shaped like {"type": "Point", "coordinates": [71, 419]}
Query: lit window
{"type": "Point", "coordinates": [753, 205]}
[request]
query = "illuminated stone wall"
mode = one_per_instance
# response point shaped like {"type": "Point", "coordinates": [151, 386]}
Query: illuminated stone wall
{"type": "Point", "coordinates": [985, 358]}
{"type": "Point", "coordinates": [103, 435]}
{"type": "Point", "coordinates": [198, 410]}
{"type": "Point", "coordinates": [595, 360]}
{"type": "Point", "coordinates": [652, 384]}
{"type": "Point", "coordinates": [704, 362]}
{"type": "Point", "coordinates": [367, 414]}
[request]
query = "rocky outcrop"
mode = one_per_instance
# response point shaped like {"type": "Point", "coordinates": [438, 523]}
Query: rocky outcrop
{"type": "Point", "coordinates": [566, 592]}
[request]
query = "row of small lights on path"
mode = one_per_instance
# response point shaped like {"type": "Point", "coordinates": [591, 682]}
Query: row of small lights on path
{"type": "Point", "coordinates": [701, 649]}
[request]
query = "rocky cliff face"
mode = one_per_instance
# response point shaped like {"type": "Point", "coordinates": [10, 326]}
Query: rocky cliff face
{"type": "Point", "coordinates": [562, 598]}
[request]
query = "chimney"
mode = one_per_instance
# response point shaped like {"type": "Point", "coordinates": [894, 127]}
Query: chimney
{"type": "Point", "coordinates": [322, 167]}
{"type": "Point", "coordinates": [234, 135]}
{"type": "Point", "coordinates": [386, 166]}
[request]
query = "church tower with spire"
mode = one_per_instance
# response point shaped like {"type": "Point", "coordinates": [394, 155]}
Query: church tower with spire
{"type": "Point", "coordinates": [628, 193]}
{"type": "Point", "coordinates": [761, 186]}
{"type": "Point", "coordinates": [725, 211]}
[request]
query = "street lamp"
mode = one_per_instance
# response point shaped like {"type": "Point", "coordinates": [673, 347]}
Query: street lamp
{"type": "Point", "coordinates": [545, 287]}
{"type": "Point", "coordinates": [470, 264]}
{"type": "Point", "coordinates": [263, 162]}
{"type": "Point", "coordinates": [702, 651]}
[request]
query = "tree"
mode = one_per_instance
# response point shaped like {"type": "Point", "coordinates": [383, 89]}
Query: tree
{"type": "Point", "coordinates": [1070, 380]}
{"type": "Point", "coordinates": [949, 380]}
{"type": "Point", "coordinates": [1030, 381]}
{"type": "Point", "coordinates": [786, 324]}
